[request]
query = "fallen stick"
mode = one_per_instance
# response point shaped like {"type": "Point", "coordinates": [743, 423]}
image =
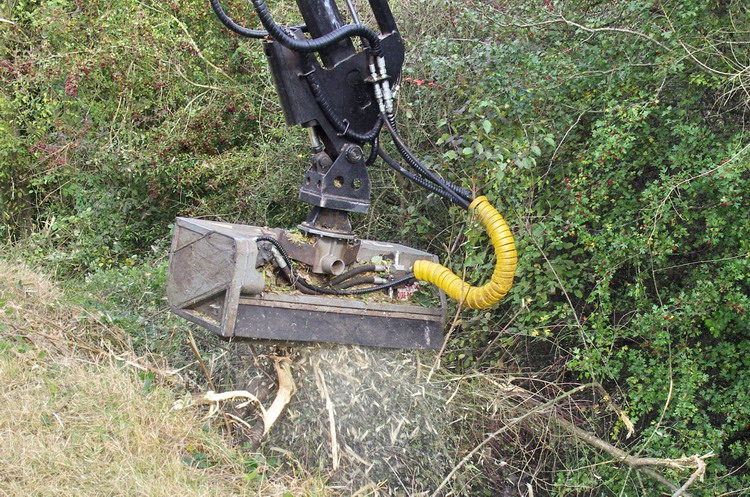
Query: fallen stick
{"type": "Point", "coordinates": [321, 382]}
{"type": "Point", "coordinates": [268, 417]}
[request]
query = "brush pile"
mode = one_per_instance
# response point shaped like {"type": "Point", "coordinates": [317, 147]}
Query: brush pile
{"type": "Point", "coordinates": [368, 417]}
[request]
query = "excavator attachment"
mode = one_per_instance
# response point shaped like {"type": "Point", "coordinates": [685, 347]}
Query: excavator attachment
{"type": "Point", "coordinates": [312, 286]}
{"type": "Point", "coordinates": [221, 278]}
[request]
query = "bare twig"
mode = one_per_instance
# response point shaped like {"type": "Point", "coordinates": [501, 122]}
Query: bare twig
{"type": "Point", "coordinates": [704, 66]}
{"type": "Point", "coordinates": [196, 352]}
{"type": "Point", "coordinates": [454, 324]}
{"type": "Point", "coordinates": [502, 430]}
{"type": "Point", "coordinates": [739, 491]}
{"type": "Point", "coordinates": [240, 421]}
{"type": "Point", "coordinates": [584, 339]}
{"type": "Point", "coordinates": [563, 19]}
{"type": "Point", "coordinates": [500, 333]}
{"type": "Point", "coordinates": [698, 473]}
{"type": "Point", "coordinates": [199, 358]}
{"type": "Point", "coordinates": [321, 382]}
{"type": "Point", "coordinates": [179, 71]}
{"type": "Point", "coordinates": [562, 140]}
{"type": "Point", "coordinates": [677, 185]}
{"type": "Point", "coordinates": [652, 473]}
{"type": "Point", "coordinates": [615, 30]}
{"type": "Point", "coordinates": [707, 261]}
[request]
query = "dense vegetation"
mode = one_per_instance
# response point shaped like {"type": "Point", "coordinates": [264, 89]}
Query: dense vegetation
{"type": "Point", "coordinates": [612, 135]}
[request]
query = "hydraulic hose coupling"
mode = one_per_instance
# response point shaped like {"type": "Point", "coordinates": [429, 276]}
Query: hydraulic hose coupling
{"type": "Point", "coordinates": [506, 260]}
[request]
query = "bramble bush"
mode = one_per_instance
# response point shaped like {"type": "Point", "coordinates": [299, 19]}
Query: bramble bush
{"type": "Point", "coordinates": [621, 158]}
{"type": "Point", "coordinates": [116, 116]}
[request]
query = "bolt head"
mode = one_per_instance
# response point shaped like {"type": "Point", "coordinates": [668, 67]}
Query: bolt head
{"type": "Point", "coordinates": [354, 154]}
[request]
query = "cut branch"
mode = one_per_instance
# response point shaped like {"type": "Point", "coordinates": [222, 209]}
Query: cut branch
{"type": "Point", "coordinates": [268, 417]}
{"type": "Point", "coordinates": [645, 465]}
{"type": "Point", "coordinates": [698, 473]}
{"type": "Point", "coordinates": [622, 456]}
{"type": "Point", "coordinates": [283, 366]}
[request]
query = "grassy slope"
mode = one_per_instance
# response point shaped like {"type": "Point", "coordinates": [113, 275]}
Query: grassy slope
{"type": "Point", "coordinates": [75, 421]}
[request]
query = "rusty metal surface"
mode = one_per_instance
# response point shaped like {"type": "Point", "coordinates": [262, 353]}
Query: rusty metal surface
{"type": "Point", "coordinates": [311, 254]}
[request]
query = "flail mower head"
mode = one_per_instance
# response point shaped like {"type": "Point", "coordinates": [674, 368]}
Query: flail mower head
{"type": "Point", "coordinates": [221, 277]}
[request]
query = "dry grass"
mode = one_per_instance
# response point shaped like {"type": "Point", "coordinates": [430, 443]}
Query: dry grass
{"type": "Point", "coordinates": [76, 421]}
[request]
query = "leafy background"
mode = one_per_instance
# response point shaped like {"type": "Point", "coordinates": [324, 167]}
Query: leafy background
{"type": "Point", "coordinates": [611, 135]}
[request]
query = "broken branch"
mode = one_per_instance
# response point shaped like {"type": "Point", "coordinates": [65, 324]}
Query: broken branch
{"type": "Point", "coordinates": [283, 366]}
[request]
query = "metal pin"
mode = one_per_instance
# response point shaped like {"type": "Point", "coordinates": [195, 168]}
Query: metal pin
{"type": "Point", "coordinates": [353, 11]}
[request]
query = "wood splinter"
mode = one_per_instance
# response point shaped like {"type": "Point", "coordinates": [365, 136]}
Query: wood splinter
{"type": "Point", "coordinates": [268, 417]}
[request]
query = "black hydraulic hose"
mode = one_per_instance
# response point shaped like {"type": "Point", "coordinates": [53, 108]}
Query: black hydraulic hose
{"type": "Point", "coordinates": [317, 44]}
{"type": "Point", "coordinates": [351, 273]}
{"type": "Point", "coordinates": [427, 174]}
{"type": "Point", "coordinates": [239, 29]}
{"type": "Point", "coordinates": [421, 181]}
{"type": "Point", "coordinates": [374, 146]}
{"type": "Point", "coordinates": [229, 23]}
{"type": "Point", "coordinates": [385, 286]}
{"type": "Point", "coordinates": [421, 168]}
{"type": "Point", "coordinates": [459, 192]}
{"type": "Point", "coordinates": [299, 280]}
{"type": "Point", "coordinates": [341, 125]}
{"type": "Point", "coordinates": [362, 280]}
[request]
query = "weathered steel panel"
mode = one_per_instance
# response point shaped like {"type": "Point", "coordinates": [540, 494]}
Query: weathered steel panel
{"type": "Point", "coordinates": [214, 283]}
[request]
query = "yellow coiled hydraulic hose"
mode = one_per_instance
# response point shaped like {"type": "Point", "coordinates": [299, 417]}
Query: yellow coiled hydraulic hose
{"type": "Point", "coordinates": [506, 261]}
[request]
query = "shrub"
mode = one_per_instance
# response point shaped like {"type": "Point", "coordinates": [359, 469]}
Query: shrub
{"type": "Point", "coordinates": [622, 162]}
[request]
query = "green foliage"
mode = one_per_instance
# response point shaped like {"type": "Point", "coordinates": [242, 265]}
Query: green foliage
{"type": "Point", "coordinates": [613, 138]}
{"type": "Point", "coordinates": [623, 165]}
{"type": "Point", "coordinates": [118, 116]}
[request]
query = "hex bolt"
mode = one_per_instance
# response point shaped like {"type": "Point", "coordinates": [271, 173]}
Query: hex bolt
{"type": "Point", "coordinates": [354, 154]}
